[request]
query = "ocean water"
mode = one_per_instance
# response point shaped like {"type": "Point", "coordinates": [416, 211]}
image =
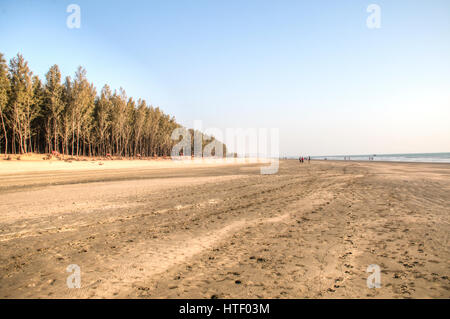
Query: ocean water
{"type": "Point", "coordinates": [419, 157]}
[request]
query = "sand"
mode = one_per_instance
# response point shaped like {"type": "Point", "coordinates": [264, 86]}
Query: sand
{"type": "Point", "coordinates": [29, 164]}
{"type": "Point", "coordinates": [142, 230]}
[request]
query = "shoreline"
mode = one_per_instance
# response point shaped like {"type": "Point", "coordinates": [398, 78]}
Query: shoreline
{"type": "Point", "coordinates": [381, 162]}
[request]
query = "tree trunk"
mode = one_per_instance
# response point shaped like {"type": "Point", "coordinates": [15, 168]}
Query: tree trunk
{"type": "Point", "coordinates": [6, 136]}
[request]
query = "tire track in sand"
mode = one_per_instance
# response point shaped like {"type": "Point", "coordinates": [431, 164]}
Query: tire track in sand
{"type": "Point", "coordinates": [150, 260]}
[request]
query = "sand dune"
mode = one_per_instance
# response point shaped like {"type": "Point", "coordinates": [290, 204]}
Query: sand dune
{"type": "Point", "coordinates": [225, 231]}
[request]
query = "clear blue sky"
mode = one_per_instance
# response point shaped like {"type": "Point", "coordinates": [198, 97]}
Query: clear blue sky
{"type": "Point", "coordinates": [311, 68]}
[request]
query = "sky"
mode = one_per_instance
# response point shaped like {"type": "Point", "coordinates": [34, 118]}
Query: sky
{"type": "Point", "coordinates": [312, 69]}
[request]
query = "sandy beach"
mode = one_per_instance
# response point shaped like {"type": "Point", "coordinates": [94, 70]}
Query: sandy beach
{"type": "Point", "coordinates": [141, 229]}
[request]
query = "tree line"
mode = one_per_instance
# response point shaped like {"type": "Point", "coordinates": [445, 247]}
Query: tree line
{"type": "Point", "coordinates": [70, 118]}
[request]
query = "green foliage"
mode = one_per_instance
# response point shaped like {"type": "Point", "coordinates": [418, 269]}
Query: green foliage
{"type": "Point", "coordinates": [21, 110]}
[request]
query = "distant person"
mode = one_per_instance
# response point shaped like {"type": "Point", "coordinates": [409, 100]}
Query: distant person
{"type": "Point", "coordinates": [309, 159]}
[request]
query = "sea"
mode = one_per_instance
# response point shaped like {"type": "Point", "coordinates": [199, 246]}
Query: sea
{"type": "Point", "coordinates": [413, 157]}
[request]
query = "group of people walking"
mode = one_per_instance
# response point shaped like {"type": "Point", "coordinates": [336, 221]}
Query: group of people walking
{"type": "Point", "coordinates": [302, 159]}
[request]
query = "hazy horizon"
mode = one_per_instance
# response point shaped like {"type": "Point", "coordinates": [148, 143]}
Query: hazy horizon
{"type": "Point", "coordinates": [313, 69]}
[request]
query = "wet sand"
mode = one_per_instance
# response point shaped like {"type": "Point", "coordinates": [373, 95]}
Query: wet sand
{"type": "Point", "coordinates": [226, 231]}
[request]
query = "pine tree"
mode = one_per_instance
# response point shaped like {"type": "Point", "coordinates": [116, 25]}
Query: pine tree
{"type": "Point", "coordinates": [67, 118]}
{"type": "Point", "coordinates": [35, 118]}
{"type": "Point", "coordinates": [140, 117]}
{"type": "Point", "coordinates": [102, 116]}
{"type": "Point", "coordinates": [119, 118]}
{"type": "Point", "coordinates": [53, 107]}
{"type": "Point", "coordinates": [21, 101]}
{"type": "Point", "coordinates": [83, 95]}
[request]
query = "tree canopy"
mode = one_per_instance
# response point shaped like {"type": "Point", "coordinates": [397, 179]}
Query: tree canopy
{"type": "Point", "coordinates": [69, 117]}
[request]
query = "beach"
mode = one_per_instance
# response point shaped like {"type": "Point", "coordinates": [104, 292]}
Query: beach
{"type": "Point", "coordinates": [148, 229]}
